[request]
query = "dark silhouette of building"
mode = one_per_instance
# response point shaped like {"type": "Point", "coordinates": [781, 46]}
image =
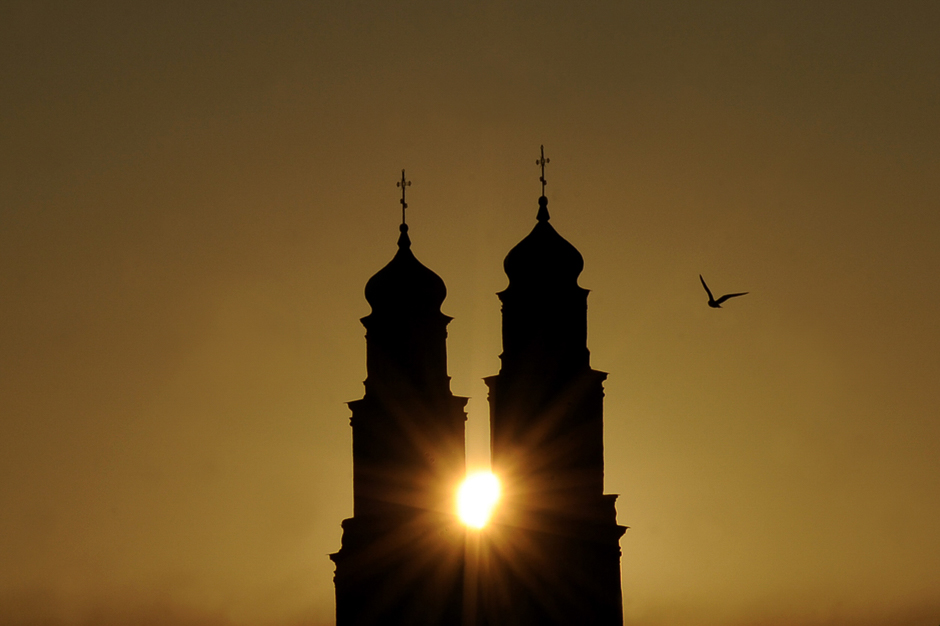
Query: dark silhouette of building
{"type": "Point", "coordinates": [401, 560]}
{"type": "Point", "coordinates": [552, 552]}
{"type": "Point", "coordinates": [551, 555]}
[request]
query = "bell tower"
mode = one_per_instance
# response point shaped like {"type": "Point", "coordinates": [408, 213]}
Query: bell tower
{"type": "Point", "coordinates": [401, 560]}
{"type": "Point", "coordinates": [554, 545]}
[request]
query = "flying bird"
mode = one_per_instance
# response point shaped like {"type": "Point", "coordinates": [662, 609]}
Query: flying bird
{"type": "Point", "coordinates": [716, 304]}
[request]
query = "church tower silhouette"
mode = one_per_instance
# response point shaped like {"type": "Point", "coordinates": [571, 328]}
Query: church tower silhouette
{"type": "Point", "coordinates": [551, 554]}
{"type": "Point", "coordinates": [401, 560]}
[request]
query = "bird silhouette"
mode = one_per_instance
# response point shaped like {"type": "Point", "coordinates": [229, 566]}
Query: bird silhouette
{"type": "Point", "coordinates": [716, 304]}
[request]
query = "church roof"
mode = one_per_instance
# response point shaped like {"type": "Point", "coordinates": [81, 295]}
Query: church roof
{"type": "Point", "coordinates": [405, 285]}
{"type": "Point", "coordinates": [544, 256]}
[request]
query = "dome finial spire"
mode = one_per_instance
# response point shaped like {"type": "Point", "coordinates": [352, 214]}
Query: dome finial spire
{"type": "Point", "coordinates": [403, 240]}
{"type": "Point", "coordinates": [543, 162]}
{"type": "Point", "coordinates": [543, 201]}
{"type": "Point", "coordinates": [404, 205]}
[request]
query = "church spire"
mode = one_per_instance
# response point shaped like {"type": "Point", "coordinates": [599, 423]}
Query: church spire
{"type": "Point", "coordinates": [543, 201]}
{"type": "Point", "coordinates": [404, 241]}
{"type": "Point", "coordinates": [547, 444]}
{"type": "Point", "coordinates": [408, 453]}
{"type": "Point", "coordinates": [542, 162]}
{"type": "Point", "coordinates": [404, 205]}
{"type": "Point", "coordinates": [405, 283]}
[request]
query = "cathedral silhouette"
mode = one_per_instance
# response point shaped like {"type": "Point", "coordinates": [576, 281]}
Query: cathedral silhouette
{"type": "Point", "coordinates": [551, 554]}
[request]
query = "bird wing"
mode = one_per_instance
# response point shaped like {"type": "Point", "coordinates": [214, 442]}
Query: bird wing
{"type": "Point", "coordinates": [707, 290]}
{"type": "Point", "coordinates": [731, 295]}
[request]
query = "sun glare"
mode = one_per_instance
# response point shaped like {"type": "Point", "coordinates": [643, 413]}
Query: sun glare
{"type": "Point", "coordinates": [477, 498]}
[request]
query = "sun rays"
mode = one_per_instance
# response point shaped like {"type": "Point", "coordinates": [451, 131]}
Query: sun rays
{"type": "Point", "coordinates": [477, 498]}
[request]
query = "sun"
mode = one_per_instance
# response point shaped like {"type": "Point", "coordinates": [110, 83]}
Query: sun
{"type": "Point", "coordinates": [477, 498]}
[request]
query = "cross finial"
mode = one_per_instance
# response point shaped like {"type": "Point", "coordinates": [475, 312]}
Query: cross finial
{"type": "Point", "coordinates": [543, 162]}
{"type": "Point", "coordinates": [403, 183]}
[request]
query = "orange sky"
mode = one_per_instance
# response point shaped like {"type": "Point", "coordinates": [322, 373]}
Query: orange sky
{"type": "Point", "coordinates": [193, 195]}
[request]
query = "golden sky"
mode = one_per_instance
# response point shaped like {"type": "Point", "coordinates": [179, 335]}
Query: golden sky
{"type": "Point", "coordinates": [193, 195]}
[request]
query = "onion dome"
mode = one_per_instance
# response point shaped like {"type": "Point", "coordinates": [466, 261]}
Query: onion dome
{"type": "Point", "coordinates": [543, 256]}
{"type": "Point", "coordinates": [405, 285]}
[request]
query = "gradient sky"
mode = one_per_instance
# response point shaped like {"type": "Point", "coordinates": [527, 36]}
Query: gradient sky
{"type": "Point", "coordinates": [193, 195]}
